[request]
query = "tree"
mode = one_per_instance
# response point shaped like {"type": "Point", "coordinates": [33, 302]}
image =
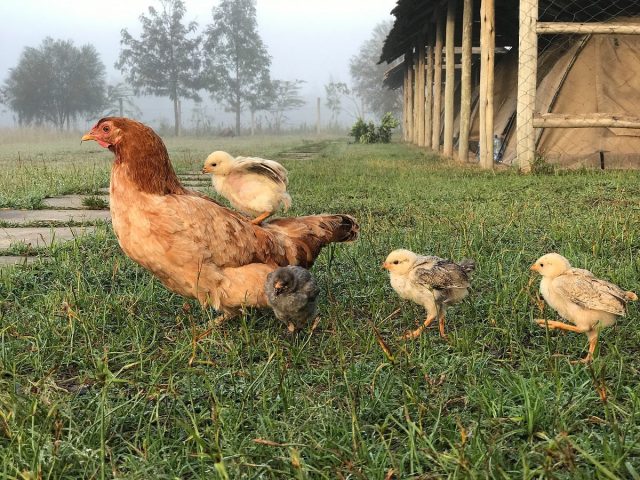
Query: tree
{"type": "Point", "coordinates": [284, 96]}
{"type": "Point", "coordinates": [55, 83]}
{"type": "Point", "coordinates": [367, 75]}
{"type": "Point", "coordinates": [119, 103]}
{"type": "Point", "coordinates": [236, 60]}
{"type": "Point", "coordinates": [336, 92]}
{"type": "Point", "coordinates": [165, 61]}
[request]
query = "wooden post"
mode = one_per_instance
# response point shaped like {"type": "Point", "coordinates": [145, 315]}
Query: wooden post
{"type": "Point", "coordinates": [465, 82]}
{"type": "Point", "coordinates": [318, 116]}
{"type": "Point", "coordinates": [487, 47]}
{"type": "Point", "coordinates": [420, 77]}
{"type": "Point", "coordinates": [410, 91]}
{"type": "Point", "coordinates": [527, 75]}
{"type": "Point", "coordinates": [450, 79]}
{"type": "Point", "coordinates": [437, 84]}
{"type": "Point", "coordinates": [405, 99]}
{"type": "Point", "coordinates": [428, 101]}
{"type": "Point", "coordinates": [585, 120]}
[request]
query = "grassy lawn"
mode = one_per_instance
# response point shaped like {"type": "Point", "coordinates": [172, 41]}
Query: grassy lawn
{"type": "Point", "coordinates": [106, 374]}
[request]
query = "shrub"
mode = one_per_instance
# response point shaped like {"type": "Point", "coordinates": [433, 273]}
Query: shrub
{"type": "Point", "coordinates": [364, 132]}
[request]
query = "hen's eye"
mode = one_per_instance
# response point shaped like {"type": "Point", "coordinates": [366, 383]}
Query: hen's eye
{"type": "Point", "coordinates": [105, 128]}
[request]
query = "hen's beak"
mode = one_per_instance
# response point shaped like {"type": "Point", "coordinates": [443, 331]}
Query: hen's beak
{"type": "Point", "coordinates": [86, 137]}
{"type": "Point", "coordinates": [534, 268]}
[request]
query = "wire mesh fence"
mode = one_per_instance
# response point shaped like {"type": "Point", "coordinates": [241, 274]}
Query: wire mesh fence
{"type": "Point", "coordinates": [581, 80]}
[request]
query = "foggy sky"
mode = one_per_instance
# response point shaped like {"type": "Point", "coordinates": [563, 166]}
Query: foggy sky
{"type": "Point", "coordinates": [311, 40]}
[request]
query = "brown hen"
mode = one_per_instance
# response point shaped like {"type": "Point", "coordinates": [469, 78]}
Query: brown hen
{"type": "Point", "coordinates": [195, 246]}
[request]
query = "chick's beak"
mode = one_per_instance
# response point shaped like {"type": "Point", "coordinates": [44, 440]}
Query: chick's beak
{"type": "Point", "coordinates": [534, 268]}
{"type": "Point", "coordinates": [278, 286]}
{"type": "Point", "coordinates": [385, 265]}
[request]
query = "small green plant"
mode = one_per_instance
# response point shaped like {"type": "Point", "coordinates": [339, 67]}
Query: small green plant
{"type": "Point", "coordinates": [95, 203]}
{"type": "Point", "coordinates": [364, 132]}
{"type": "Point", "coordinates": [540, 166]}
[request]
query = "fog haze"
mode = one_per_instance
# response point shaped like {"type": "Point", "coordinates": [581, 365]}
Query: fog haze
{"type": "Point", "coordinates": [311, 40]}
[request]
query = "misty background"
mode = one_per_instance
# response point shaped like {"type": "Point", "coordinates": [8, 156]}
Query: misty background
{"type": "Point", "coordinates": [312, 41]}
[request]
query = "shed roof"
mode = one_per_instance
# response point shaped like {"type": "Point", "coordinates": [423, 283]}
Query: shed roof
{"type": "Point", "coordinates": [414, 17]}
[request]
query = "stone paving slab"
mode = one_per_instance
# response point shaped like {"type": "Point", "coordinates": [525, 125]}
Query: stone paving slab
{"type": "Point", "coordinates": [71, 201]}
{"type": "Point", "coordinates": [195, 176]}
{"type": "Point", "coordinates": [9, 260]}
{"type": "Point", "coordinates": [40, 236]}
{"type": "Point", "coordinates": [196, 183]}
{"type": "Point", "coordinates": [28, 216]}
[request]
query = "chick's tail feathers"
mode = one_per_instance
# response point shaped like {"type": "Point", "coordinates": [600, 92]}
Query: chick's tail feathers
{"type": "Point", "coordinates": [309, 234]}
{"type": "Point", "coordinates": [467, 265]}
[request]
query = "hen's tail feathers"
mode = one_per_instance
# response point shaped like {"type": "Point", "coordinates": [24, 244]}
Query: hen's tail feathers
{"type": "Point", "coordinates": [630, 296]}
{"type": "Point", "coordinates": [311, 233]}
{"type": "Point", "coordinates": [467, 265]}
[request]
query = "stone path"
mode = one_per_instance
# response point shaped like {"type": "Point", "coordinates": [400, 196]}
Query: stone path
{"type": "Point", "coordinates": [40, 236]}
{"type": "Point", "coordinates": [72, 201]}
{"type": "Point", "coordinates": [30, 217]}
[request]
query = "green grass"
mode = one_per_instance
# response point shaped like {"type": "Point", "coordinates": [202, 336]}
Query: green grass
{"type": "Point", "coordinates": [103, 373]}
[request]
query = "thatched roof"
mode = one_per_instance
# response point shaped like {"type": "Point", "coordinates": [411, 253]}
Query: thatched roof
{"type": "Point", "coordinates": [414, 17]}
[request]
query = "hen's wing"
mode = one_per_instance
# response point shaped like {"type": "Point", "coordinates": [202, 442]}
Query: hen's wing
{"type": "Point", "coordinates": [439, 274]}
{"type": "Point", "coordinates": [584, 289]}
{"type": "Point", "coordinates": [267, 168]}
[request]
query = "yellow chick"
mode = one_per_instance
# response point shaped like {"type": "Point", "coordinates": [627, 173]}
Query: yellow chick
{"type": "Point", "coordinates": [578, 296]}
{"type": "Point", "coordinates": [430, 281]}
{"type": "Point", "coordinates": [254, 186]}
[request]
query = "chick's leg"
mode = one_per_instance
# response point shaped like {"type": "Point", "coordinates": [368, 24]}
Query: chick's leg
{"type": "Point", "coordinates": [441, 324]}
{"type": "Point", "coordinates": [260, 218]}
{"type": "Point", "coordinates": [553, 324]}
{"type": "Point", "coordinates": [593, 342]}
{"type": "Point", "coordinates": [416, 333]}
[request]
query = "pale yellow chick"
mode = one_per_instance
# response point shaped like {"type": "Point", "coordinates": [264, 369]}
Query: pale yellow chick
{"type": "Point", "coordinates": [254, 186]}
{"type": "Point", "coordinates": [578, 296]}
{"type": "Point", "coordinates": [430, 281]}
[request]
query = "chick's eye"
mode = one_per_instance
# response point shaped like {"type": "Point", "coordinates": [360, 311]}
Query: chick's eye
{"type": "Point", "coordinates": [214, 164]}
{"type": "Point", "coordinates": [395, 262]}
{"type": "Point", "coordinates": [542, 264]}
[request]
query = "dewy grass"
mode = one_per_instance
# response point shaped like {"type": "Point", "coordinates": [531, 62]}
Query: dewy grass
{"type": "Point", "coordinates": [104, 373]}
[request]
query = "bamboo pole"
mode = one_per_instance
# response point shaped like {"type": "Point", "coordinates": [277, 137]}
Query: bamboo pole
{"type": "Point", "coordinates": [546, 28]}
{"type": "Point", "coordinates": [437, 84]}
{"type": "Point", "coordinates": [587, 120]}
{"type": "Point", "coordinates": [450, 79]}
{"type": "Point", "coordinates": [527, 74]}
{"type": "Point", "coordinates": [420, 80]}
{"type": "Point", "coordinates": [465, 83]}
{"type": "Point", "coordinates": [428, 101]}
{"type": "Point", "coordinates": [487, 44]}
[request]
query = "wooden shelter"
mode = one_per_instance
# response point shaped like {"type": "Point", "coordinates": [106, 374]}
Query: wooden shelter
{"type": "Point", "coordinates": [445, 54]}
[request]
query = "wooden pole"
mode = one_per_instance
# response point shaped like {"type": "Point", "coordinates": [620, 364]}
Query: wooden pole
{"type": "Point", "coordinates": [437, 84]}
{"type": "Point", "coordinates": [527, 75]}
{"type": "Point", "coordinates": [487, 45]}
{"type": "Point", "coordinates": [420, 81]}
{"type": "Point", "coordinates": [450, 79]}
{"type": "Point", "coordinates": [318, 116]}
{"type": "Point", "coordinates": [405, 99]}
{"type": "Point", "coordinates": [465, 82]}
{"type": "Point", "coordinates": [587, 120]}
{"type": "Point", "coordinates": [585, 28]}
{"type": "Point", "coordinates": [428, 101]}
{"type": "Point", "coordinates": [410, 101]}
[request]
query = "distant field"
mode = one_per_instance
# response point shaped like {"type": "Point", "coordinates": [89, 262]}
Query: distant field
{"type": "Point", "coordinates": [103, 373]}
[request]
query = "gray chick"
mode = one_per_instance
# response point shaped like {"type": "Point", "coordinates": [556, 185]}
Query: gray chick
{"type": "Point", "coordinates": [292, 294]}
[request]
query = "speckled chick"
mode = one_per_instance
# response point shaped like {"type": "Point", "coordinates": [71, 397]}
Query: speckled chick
{"type": "Point", "coordinates": [292, 293]}
{"type": "Point", "coordinates": [578, 296]}
{"type": "Point", "coordinates": [430, 281]}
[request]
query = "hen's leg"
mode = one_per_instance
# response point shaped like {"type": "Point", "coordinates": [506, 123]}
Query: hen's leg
{"type": "Point", "coordinates": [226, 315]}
{"type": "Point", "coordinates": [260, 218]}
{"type": "Point", "coordinates": [416, 333]}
